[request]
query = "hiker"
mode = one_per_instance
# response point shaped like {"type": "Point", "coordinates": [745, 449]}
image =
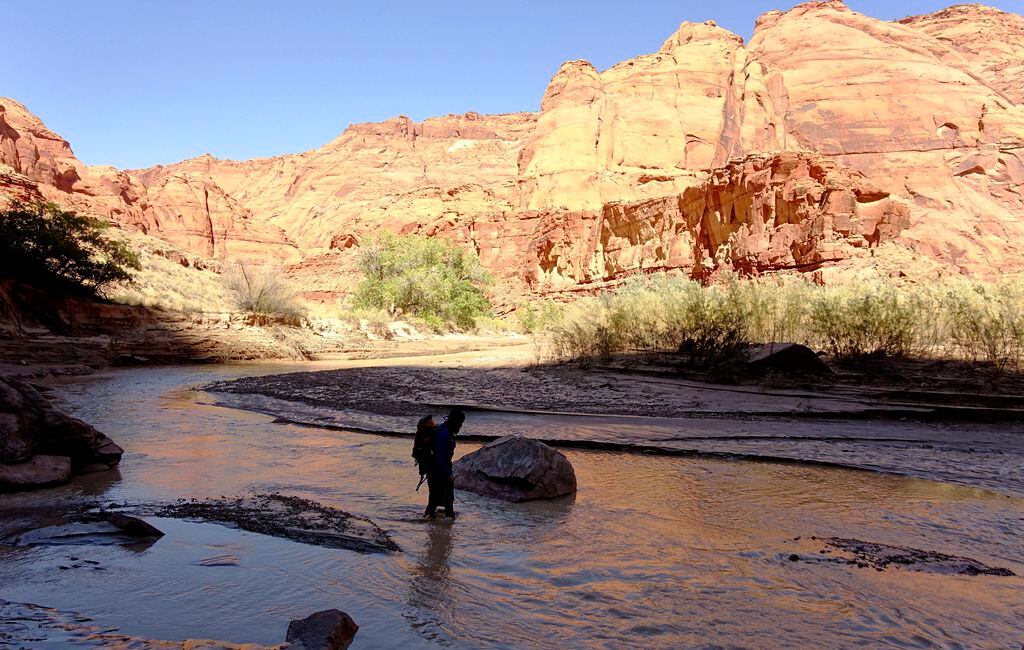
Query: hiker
{"type": "Point", "coordinates": [440, 484]}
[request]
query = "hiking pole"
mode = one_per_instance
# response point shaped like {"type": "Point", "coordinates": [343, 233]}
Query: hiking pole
{"type": "Point", "coordinates": [423, 477]}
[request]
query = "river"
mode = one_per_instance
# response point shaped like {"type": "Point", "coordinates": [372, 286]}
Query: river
{"type": "Point", "coordinates": [653, 551]}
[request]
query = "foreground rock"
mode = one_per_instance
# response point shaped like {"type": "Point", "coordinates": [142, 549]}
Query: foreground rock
{"type": "Point", "coordinates": [89, 529]}
{"type": "Point", "coordinates": [787, 359]}
{"type": "Point", "coordinates": [23, 625]}
{"type": "Point", "coordinates": [41, 446]}
{"type": "Point", "coordinates": [516, 469]}
{"type": "Point", "coordinates": [330, 629]}
{"type": "Point", "coordinates": [288, 517]}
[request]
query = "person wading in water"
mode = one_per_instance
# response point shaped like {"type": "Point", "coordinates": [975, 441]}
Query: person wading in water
{"type": "Point", "coordinates": [433, 451]}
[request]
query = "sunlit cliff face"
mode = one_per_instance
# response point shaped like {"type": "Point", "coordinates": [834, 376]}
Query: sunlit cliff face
{"type": "Point", "coordinates": [624, 170]}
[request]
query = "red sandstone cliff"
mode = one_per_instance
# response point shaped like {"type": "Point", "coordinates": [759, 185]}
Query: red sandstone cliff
{"type": "Point", "coordinates": [828, 133]}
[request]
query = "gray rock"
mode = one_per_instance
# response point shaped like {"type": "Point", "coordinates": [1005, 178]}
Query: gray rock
{"type": "Point", "coordinates": [330, 629]}
{"type": "Point", "coordinates": [37, 472]}
{"type": "Point", "coordinates": [30, 426]}
{"type": "Point", "coordinates": [516, 469]}
{"type": "Point", "coordinates": [790, 359]}
{"type": "Point", "coordinates": [132, 525]}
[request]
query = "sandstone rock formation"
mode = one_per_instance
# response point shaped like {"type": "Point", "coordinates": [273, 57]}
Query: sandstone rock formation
{"type": "Point", "coordinates": [40, 445]}
{"type": "Point", "coordinates": [192, 212]}
{"type": "Point", "coordinates": [516, 469]}
{"type": "Point", "coordinates": [990, 41]}
{"type": "Point", "coordinates": [786, 152]}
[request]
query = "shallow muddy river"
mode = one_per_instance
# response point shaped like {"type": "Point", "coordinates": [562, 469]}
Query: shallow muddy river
{"type": "Point", "coordinates": [653, 551]}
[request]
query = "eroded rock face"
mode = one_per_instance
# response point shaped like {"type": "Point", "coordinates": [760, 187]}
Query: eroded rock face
{"type": "Point", "coordinates": [40, 445]}
{"type": "Point", "coordinates": [516, 469]}
{"type": "Point", "coordinates": [761, 213]}
{"type": "Point", "coordinates": [679, 160]}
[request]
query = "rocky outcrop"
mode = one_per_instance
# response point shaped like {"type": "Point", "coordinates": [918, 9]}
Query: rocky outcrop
{"type": "Point", "coordinates": [195, 213]}
{"type": "Point", "coordinates": [516, 469]}
{"type": "Point", "coordinates": [757, 214]}
{"type": "Point", "coordinates": [910, 132]}
{"type": "Point", "coordinates": [40, 445]}
{"type": "Point", "coordinates": [907, 111]}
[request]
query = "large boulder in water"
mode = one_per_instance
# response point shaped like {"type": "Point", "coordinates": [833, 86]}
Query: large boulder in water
{"type": "Point", "coordinates": [516, 469]}
{"type": "Point", "coordinates": [32, 431]}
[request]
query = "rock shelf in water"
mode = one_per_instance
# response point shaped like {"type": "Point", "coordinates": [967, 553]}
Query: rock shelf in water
{"type": "Point", "coordinates": [293, 518]}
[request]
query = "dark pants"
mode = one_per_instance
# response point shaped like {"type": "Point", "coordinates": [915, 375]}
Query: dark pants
{"type": "Point", "coordinates": [442, 493]}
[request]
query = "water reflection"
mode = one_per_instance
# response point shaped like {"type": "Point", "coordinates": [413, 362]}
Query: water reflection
{"type": "Point", "coordinates": [431, 587]}
{"type": "Point", "coordinates": [653, 551]}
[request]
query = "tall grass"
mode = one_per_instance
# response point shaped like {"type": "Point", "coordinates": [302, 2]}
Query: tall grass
{"type": "Point", "coordinates": [876, 316]}
{"type": "Point", "coordinates": [264, 294]}
{"type": "Point", "coordinates": [163, 284]}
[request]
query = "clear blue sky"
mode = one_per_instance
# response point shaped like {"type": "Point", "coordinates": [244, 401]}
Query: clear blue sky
{"type": "Point", "coordinates": [133, 83]}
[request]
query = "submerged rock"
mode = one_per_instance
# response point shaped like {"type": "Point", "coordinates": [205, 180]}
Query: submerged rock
{"type": "Point", "coordinates": [90, 529]}
{"type": "Point", "coordinates": [278, 515]}
{"type": "Point", "coordinates": [886, 556]}
{"type": "Point", "coordinates": [516, 469]}
{"type": "Point", "coordinates": [33, 433]}
{"type": "Point", "coordinates": [330, 629]}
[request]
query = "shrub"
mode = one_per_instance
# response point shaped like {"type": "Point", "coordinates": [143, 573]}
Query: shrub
{"type": "Point", "coordinates": [535, 316]}
{"type": "Point", "coordinates": [987, 321]}
{"type": "Point", "coordinates": [46, 246]}
{"type": "Point", "coordinates": [707, 324]}
{"type": "Point", "coordinates": [870, 318]}
{"type": "Point", "coordinates": [430, 279]}
{"type": "Point", "coordinates": [262, 292]}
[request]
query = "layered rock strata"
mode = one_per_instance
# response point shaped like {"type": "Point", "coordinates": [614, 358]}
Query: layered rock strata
{"type": "Point", "coordinates": [785, 152]}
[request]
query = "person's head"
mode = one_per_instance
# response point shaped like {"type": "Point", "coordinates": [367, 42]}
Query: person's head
{"type": "Point", "coordinates": [455, 419]}
{"type": "Point", "coordinates": [425, 424]}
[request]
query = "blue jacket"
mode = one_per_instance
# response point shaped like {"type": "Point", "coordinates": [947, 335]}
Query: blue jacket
{"type": "Point", "coordinates": [444, 449]}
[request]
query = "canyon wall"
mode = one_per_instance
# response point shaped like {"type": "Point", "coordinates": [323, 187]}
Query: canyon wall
{"type": "Point", "coordinates": [826, 135]}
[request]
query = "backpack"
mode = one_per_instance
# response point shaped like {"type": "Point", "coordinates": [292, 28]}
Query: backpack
{"type": "Point", "coordinates": [423, 445]}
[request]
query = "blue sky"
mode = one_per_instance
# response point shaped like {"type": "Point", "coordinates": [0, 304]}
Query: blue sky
{"type": "Point", "coordinates": [133, 83]}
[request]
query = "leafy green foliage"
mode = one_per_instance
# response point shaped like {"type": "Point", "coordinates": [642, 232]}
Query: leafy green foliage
{"type": "Point", "coordinates": [49, 247]}
{"type": "Point", "coordinates": [431, 279]}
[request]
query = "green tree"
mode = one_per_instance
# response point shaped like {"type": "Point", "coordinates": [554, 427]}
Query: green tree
{"type": "Point", "coordinates": [44, 245]}
{"type": "Point", "coordinates": [429, 278]}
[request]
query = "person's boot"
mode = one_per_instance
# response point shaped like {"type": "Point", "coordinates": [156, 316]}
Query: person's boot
{"type": "Point", "coordinates": [429, 513]}
{"type": "Point", "coordinates": [450, 513]}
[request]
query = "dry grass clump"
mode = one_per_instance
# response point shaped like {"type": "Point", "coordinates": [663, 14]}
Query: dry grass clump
{"type": "Point", "coordinates": [262, 292]}
{"type": "Point", "coordinates": [871, 316]}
